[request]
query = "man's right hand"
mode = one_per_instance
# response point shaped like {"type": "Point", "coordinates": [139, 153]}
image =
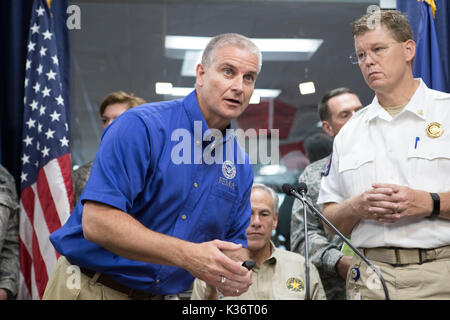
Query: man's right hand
{"type": "Point", "coordinates": [208, 262]}
{"type": "Point", "coordinates": [374, 203]}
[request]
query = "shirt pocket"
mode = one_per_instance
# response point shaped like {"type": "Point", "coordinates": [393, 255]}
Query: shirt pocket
{"type": "Point", "coordinates": [216, 214]}
{"type": "Point", "coordinates": [429, 164]}
{"type": "Point", "coordinates": [357, 172]}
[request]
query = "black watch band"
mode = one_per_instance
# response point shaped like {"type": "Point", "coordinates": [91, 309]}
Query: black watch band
{"type": "Point", "coordinates": [436, 205]}
{"type": "Point", "coordinates": [9, 294]}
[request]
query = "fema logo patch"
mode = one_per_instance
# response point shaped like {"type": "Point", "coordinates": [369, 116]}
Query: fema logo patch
{"type": "Point", "coordinates": [295, 284]}
{"type": "Point", "coordinates": [228, 169]}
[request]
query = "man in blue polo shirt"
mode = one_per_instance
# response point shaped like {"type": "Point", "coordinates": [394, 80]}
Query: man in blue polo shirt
{"type": "Point", "coordinates": [168, 192]}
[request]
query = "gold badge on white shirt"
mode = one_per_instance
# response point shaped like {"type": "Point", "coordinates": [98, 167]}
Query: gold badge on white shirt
{"type": "Point", "coordinates": [295, 284]}
{"type": "Point", "coordinates": [434, 130]}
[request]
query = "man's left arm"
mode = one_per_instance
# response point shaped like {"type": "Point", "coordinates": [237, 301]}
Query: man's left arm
{"type": "Point", "coordinates": [413, 203]}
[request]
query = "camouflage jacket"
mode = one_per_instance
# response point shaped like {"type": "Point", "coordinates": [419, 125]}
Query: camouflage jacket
{"type": "Point", "coordinates": [9, 233]}
{"type": "Point", "coordinates": [324, 248]}
{"type": "Point", "coordinates": [79, 179]}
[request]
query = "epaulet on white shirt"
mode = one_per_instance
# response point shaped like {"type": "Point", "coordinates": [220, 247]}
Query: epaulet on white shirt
{"type": "Point", "coordinates": [439, 95]}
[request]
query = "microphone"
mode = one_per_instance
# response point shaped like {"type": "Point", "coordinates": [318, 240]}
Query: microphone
{"type": "Point", "coordinates": [290, 190]}
{"type": "Point", "coordinates": [287, 189]}
{"type": "Point", "coordinates": [302, 189]}
{"type": "Point", "coordinates": [249, 264]}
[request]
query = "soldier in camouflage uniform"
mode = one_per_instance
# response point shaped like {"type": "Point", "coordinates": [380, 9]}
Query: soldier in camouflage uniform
{"type": "Point", "coordinates": [113, 105]}
{"type": "Point", "coordinates": [79, 178]}
{"type": "Point", "coordinates": [335, 109]}
{"type": "Point", "coordinates": [9, 236]}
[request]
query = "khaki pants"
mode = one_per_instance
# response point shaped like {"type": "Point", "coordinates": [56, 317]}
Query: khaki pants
{"type": "Point", "coordinates": [429, 280]}
{"type": "Point", "coordinates": [68, 283]}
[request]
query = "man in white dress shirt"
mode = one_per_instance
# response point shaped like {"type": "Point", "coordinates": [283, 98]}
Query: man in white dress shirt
{"type": "Point", "coordinates": [389, 179]}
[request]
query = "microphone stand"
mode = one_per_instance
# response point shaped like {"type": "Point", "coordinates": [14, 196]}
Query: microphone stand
{"type": "Point", "coordinates": [307, 273]}
{"type": "Point", "coordinates": [302, 198]}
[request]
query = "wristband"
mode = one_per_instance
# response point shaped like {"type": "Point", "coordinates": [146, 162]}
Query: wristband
{"type": "Point", "coordinates": [436, 205]}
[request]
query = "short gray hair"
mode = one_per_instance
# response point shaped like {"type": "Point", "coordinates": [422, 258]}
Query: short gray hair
{"type": "Point", "coordinates": [271, 192]}
{"type": "Point", "coordinates": [234, 39]}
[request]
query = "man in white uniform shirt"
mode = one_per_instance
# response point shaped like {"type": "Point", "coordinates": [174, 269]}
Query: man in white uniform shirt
{"type": "Point", "coordinates": [389, 179]}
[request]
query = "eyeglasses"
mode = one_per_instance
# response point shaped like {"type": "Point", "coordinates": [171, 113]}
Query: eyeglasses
{"type": "Point", "coordinates": [378, 51]}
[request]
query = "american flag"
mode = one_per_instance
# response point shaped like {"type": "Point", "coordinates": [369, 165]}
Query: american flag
{"type": "Point", "coordinates": [46, 182]}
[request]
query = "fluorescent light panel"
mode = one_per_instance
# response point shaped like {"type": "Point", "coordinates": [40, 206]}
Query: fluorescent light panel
{"type": "Point", "coordinates": [255, 98]}
{"type": "Point", "coordinates": [167, 88]}
{"type": "Point", "coordinates": [268, 93]}
{"type": "Point", "coordinates": [163, 87]}
{"type": "Point", "coordinates": [190, 49]}
{"type": "Point", "coordinates": [181, 91]}
{"type": "Point", "coordinates": [265, 45]}
{"type": "Point", "coordinates": [307, 87]}
{"type": "Point", "coordinates": [388, 4]}
{"type": "Point", "coordinates": [190, 61]}
{"type": "Point", "coordinates": [186, 43]}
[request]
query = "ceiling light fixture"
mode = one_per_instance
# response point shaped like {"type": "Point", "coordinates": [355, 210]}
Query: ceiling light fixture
{"type": "Point", "coordinates": [265, 45]}
{"type": "Point", "coordinates": [190, 49]}
{"type": "Point", "coordinates": [307, 88]}
{"type": "Point", "coordinates": [255, 98]}
{"type": "Point", "coordinates": [167, 88]}
{"type": "Point", "coordinates": [163, 88]}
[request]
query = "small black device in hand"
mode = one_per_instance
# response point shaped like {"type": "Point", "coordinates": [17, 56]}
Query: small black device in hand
{"type": "Point", "coordinates": [249, 264]}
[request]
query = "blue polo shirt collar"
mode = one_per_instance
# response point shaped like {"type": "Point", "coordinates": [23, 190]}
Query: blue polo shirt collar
{"type": "Point", "coordinates": [194, 113]}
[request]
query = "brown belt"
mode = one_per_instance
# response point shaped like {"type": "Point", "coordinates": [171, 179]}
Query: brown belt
{"type": "Point", "coordinates": [133, 294]}
{"type": "Point", "coordinates": [403, 256]}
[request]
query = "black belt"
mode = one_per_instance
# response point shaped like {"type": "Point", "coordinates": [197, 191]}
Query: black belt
{"type": "Point", "coordinates": [133, 294]}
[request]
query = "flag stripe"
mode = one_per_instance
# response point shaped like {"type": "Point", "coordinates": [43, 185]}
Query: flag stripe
{"type": "Point", "coordinates": [25, 231]}
{"type": "Point", "coordinates": [35, 260]}
{"type": "Point", "coordinates": [32, 219]}
{"type": "Point", "coordinates": [58, 189]}
{"type": "Point", "coordinates": [34, 290]}
{"type": "Point", "coordinates": [27, 201]}
{"type": "Point", "coordinates": [47, 203]}
{"type": "Point", "coordinates": [25, 242]}
{"type": "Point", "coordinates": [39, 268]}
{"type": "Point", "coordinates": [41, 233]}
{"type": "Point", "coordinates": [25, 265]}
{"type": "Point", "coordinates": [23, 291]}
{"type": "Point", "coordinates": [66, 172]}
